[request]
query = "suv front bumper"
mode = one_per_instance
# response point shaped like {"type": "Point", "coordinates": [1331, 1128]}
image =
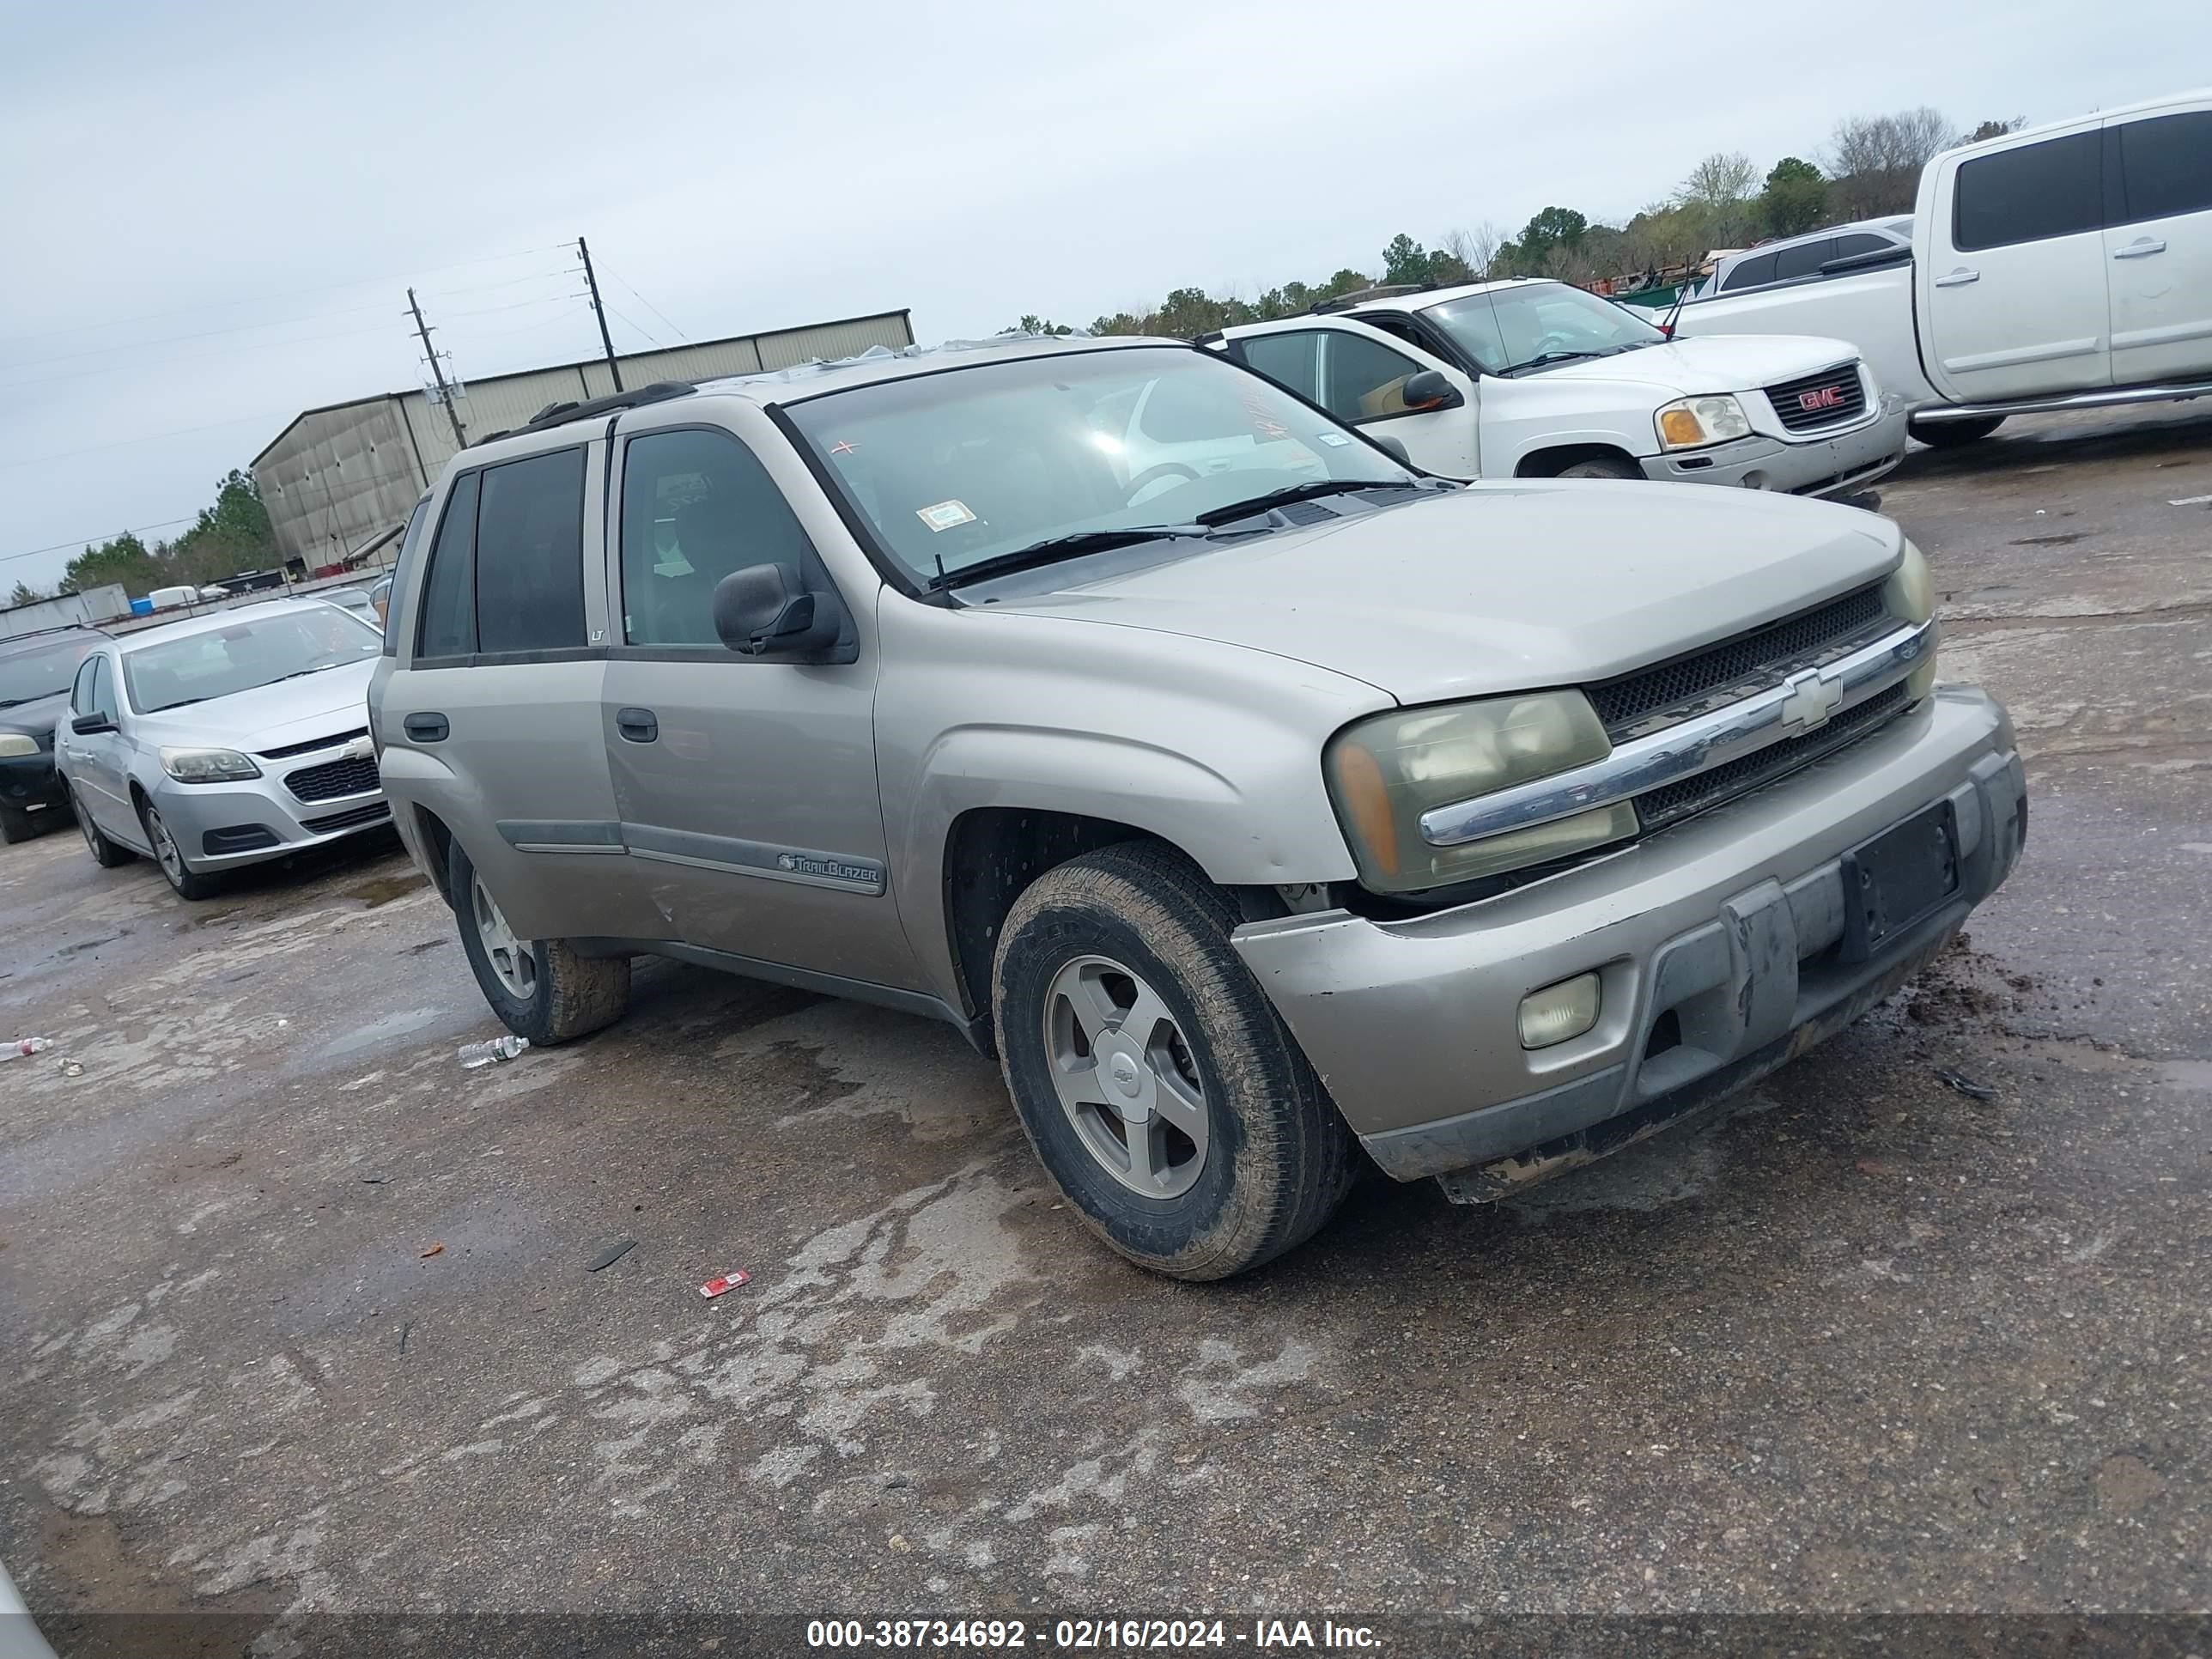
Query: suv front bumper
{"type": "Point", "coordinates": [28, 783]}
{"type": "Point", "coordinates": [1813, 466]}
{"type": "Point", "coordinates": [1733, 923]}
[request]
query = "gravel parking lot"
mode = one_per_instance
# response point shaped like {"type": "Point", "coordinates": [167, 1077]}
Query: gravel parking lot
{"type": "Point", "coordinates": [297, 1314]}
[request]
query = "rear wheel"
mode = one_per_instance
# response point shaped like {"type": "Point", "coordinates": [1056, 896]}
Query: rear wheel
{"type": "Point", "coordinates": [1599, 467]}
{"type": "Point", "coordinates": [106, 854]}
{"type": "Point", "coordinates": [1154, 1079]}
{"type": "Point", "coordinates": [1949, 435]}
{"type": "Point", "coordinates": [189, 882]}
{"type": "Point", "coordinates": [541, 989]}
{"type": "Point", "coordinates": [15, 826]}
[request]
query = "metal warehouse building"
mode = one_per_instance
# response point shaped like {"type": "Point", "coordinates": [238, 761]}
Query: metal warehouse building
{"type": "Point", "coordinates": [342, 479]}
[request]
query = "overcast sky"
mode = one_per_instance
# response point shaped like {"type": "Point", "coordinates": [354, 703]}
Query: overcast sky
{"type": "Point", "coordinates": [212, 212]}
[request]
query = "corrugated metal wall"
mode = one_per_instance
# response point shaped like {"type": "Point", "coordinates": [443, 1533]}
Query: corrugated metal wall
{"type": "Point", "coordinates": [337, 478]}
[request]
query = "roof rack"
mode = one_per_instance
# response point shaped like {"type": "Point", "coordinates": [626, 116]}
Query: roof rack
{"type": "Point", "coordinates": [7, 640]}
{"type": "Point", "coordinates": [561, 414]}
{"type": "Point", "coordinates": [1362, 296]}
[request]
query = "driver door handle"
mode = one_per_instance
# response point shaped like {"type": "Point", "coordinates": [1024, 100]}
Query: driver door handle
{"type": "Point", "coordinates": [1959, 278]}
{"type": "Point", "coordinates": [2141, 249]}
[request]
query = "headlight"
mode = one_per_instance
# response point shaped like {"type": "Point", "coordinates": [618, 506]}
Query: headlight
{"type": "Point", "coordinates": [1910, 594]}
{"type": "Point", "coordinates": [207, 765]}
{"type": "Point", "coordinates": [1385, 772]}
{"type": "Point", "coordinates": [18, 743]}
{"type": "Point", "coordinates": [1692, 422]}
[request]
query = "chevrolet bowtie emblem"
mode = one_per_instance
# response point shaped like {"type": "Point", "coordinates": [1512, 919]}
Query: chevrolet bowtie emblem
{"type": "Point", "coordinates": [1810, 700]}
{"type": "Point", "coordinates": [360, 749]}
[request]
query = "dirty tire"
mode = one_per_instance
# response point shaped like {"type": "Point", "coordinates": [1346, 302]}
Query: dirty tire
{"type": "Point", "coordinates": [106, 854]}
{"type": "Point", "coordinates": [575, 995]}
{"type": "Point", "coordinates": [15, 826]}
{"type": "Point", "coordinates": [1950, 435]}
{"type": "Point", "coordinates": [1599, 467]}
{"type": "Point", "coordinates": [1279, 1158]}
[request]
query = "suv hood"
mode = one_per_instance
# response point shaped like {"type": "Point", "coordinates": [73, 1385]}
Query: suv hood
{"type": "Point", "coordinates": [1508, 586]}
{"type": "Point", "coordinates": [273, 716]}
{"type": "Point", "coordinates": [1710, 363]}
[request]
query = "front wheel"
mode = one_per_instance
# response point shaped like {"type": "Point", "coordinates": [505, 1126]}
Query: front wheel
{"type": "Point", "coordinates": [1950, 435]}
{"type": "Point", "coordinates": [541, 989]}
{"type": "Point", "coordinates": [1599, 467]}
{"type": "Point", "coordinates": [190, 884]}
{"type": "Point", "coordinates": [1156, 1083]}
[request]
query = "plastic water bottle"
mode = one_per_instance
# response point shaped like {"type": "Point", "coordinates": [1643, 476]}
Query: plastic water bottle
{"type": "Point", "coordinates": [475, 1055]}
{"type": "Point", "coordinates": [23, 1047]}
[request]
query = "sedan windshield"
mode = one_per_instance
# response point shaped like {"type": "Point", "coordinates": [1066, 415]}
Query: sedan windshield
{"type": "Point", "coordinates": [1529, 326]}
{"type": "Point", "coordinates": [27, 675]}
{"type": "Point", "coordinates": [954, 469]}
{"type": "Point", "coordinates": [221, 662]}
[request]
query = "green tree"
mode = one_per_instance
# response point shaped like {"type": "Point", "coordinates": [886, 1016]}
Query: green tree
{"type": "Point", "coordinates": [24, 594]}
{"type": "Point", "coordinates": [232, 535]}
{"type": "Point", "coordinates": [1796, 198]}
{"type": "Point", "coordinates": [1995, 129]}
{"type": "Point", "coordinates": [124, 560]}
{"type": "Point", "coordinates": [1031, 323]}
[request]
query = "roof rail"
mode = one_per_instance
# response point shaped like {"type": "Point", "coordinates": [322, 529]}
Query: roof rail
{"type": "Point", "coordinates": [561, 414]}
{"type": "Point", "coordinates": [7, 640]}
{"type": "Point", "coordinates": [1360, 296]}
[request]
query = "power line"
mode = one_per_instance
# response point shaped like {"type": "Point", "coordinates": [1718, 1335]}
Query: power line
{"type": "Point", "coordinates": [172, 339]}
{"type": "Point", "coordinates": [637, 327]}
{"type": "Point", "coordinates": [142, 438]}
{"type": "Point", "coordinates": [648, 304]}
{"type": "Point", "coordinates": [95, 538]}
{"type": "Point", "coordinates": [194, 357]}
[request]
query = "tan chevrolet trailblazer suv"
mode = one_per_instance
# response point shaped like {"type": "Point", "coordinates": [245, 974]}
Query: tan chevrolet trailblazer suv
{"type": "Point", "coordinates": [1261, 803]}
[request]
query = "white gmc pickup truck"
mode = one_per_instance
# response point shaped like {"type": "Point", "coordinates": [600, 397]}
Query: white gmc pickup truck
{"type": "Point", "coordinates": [2061, 267]}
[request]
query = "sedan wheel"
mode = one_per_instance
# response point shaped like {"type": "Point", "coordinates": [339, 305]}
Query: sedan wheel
{"type": "Point", "coordinates": [171, 857]}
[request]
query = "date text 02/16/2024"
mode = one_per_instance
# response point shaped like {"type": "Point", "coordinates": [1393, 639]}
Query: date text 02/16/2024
{"type": "Point", "coordinates": [1080, 1635]}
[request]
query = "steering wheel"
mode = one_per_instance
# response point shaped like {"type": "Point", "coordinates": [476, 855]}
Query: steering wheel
{"type": "Point", "coordinates": [1552, 342]}
{"type": "Point", "coordinates": [1152, 475]}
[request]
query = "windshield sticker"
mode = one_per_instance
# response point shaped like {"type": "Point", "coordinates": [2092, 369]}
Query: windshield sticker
{"type": "Point", "coordinates": [946, 515]}
{"type": "Point", "coordinates": [843, 446]}
{"type": "Point", "coordinates": [1333, 440]}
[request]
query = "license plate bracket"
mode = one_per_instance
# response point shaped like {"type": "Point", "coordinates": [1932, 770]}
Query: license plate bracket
{"type": "Point", "coordinates": [1898, 879]}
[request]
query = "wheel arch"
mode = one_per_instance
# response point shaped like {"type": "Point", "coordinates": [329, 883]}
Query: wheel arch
{"type": "Point", "coordinates": [1550, 462]}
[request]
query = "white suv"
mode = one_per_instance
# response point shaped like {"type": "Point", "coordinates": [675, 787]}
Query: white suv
{"type": "Point", "coordinates": [1532, 379]}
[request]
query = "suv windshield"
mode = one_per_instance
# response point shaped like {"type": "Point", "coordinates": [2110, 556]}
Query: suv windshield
{"type": "Point", "coordinates": [951, 469]}
{"type": "Point", "coordinates": [43, 670]}
{"type": "Point", "coordinates": [223, 661]}
{"type": "Point", "coordinates": [1510, 329]}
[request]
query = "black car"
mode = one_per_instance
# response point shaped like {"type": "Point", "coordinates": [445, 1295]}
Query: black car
{"type": "Point", "coordinates": [36, 671]}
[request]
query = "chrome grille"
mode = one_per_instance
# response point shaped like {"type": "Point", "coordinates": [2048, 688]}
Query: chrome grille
{"type": "Point", "coordinates": [333, 780]}
{"type": "Point", "coordinates": [1657, 808]}
{"type": "Point", "coordinates": [312, 745]}
{"type": "Point", "coordinates": [1651, 699]}
{"type": "Point", "coordinates": [1834, 397]}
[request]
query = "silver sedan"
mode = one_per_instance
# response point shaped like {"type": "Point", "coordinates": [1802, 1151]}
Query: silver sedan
{"type": "Point", "coordinates": [227, 739]}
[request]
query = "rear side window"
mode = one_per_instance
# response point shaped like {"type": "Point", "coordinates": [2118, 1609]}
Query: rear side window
{"type": "Point", "coordinates": [1754, 272]}
{"type": "Point", "coordinates": [696, 506]}
{"type": "Point", "coordinates": [1288, 359]}
{"type": "Point", "coordinates": [530, 554]}
{"type": "Point", "coordinates": [2030, 194]}
{"type": "Point", "coordinates": [2165, 166]}
{"type": "Point", "coordinates": [1804, 259]}
{"type": "Point", "coordinates": [448, 627]}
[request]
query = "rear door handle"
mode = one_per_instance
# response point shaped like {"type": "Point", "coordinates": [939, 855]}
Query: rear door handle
{"type": "Point", "coordinates": [637, 725]}
{"type": "Point", "coordinates": [427, 728]}
{"type": "Point", "coordinates": [2139, 249]}
{"type": "Point", "coordinates": [1959, 278]}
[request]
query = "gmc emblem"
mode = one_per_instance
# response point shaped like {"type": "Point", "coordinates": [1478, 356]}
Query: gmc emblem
{"type": "Point", "coordinates": [1828, 397]}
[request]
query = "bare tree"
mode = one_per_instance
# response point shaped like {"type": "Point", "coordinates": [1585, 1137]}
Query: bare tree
{"type": "Point", "coordinates": [1476, 249]}
{"type": "Point", "coordinates": [1719, 192]}
{"type": "Point", "coordinates": [1875, 160]}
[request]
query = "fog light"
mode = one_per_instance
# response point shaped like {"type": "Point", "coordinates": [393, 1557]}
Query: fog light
{"type": "Point", "coordinates": [1559, 1011]}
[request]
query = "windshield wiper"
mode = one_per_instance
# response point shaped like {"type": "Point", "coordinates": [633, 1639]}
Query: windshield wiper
{"type": "Point", "coordinates": [1053, 548]}
{"type": "Point", "coordinates": [1297, 492]}
{"type": "Point", "coordinates": [1547, 358]}
{"type": "Point", "coordinates": [301, 673]}
{"type": "Point", "coordinates": [10, 702]}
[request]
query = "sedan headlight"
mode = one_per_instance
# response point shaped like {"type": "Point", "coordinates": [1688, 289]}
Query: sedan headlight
{"type": "Point", "coordinates": [1693, 423]}
{"type": "Point", "coordinates": [208, 765]}
{"type": "Point", "coordinates": [1910, 594]}
{"type": "Point", "coordinates": [18, 743]}
{"type": "Point", "coordinates": [1385, 772]}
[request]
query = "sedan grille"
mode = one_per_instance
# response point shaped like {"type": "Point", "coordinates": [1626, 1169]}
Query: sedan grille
{"type": "Point", "coordinates": [312, 745]}
{"type": "Point", "coordinates": [1651, 699]}
{"type": "Point", "coordinates": [1831, 397]}
{"type": "Point", "coordinates": [338, 778]}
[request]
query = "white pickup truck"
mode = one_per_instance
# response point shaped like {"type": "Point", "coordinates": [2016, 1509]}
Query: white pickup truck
{"type": "Point", "coordinates": [2062, 267]}
{"type": "Point", "coordinates": [1531, 379]}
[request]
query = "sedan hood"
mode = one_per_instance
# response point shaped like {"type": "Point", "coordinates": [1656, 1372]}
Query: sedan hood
{"type": "Point", "coordinates": [36, 718]}
{"type": "Point", "coordinates": [324, 705]}
{"type": "Point", "coordinates": [1493, 588]}
{"type": "Point", "coordinates": [1721, 362]}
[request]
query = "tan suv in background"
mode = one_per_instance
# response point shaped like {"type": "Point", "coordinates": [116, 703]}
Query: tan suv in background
{"type": "Point", "coordinates": [1254, 798]}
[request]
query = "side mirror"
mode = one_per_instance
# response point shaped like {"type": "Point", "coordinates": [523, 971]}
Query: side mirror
{"type": "Point", "coordinates": [765, 611]}
{"type": "Point", "coordinates": [91, 726]}
{"type": "Point", "coordinates": [1394, 447]}
{"type": "Point", "coordinates": [1430, 390]}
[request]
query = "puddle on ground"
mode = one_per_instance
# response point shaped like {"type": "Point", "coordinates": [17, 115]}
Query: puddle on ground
{"type": "Point", "coordinates": [385, 888]}
{"type": "Point", "coordinates": [379, 1030]}
{"type": "Point", "coordinates": [2193, 1075]}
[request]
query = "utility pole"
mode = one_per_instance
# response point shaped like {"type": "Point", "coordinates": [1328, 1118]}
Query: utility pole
{"type": "Point", "coordinates": [438, 373]}
{"type": "Point", "coordinates": [600, 312]}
